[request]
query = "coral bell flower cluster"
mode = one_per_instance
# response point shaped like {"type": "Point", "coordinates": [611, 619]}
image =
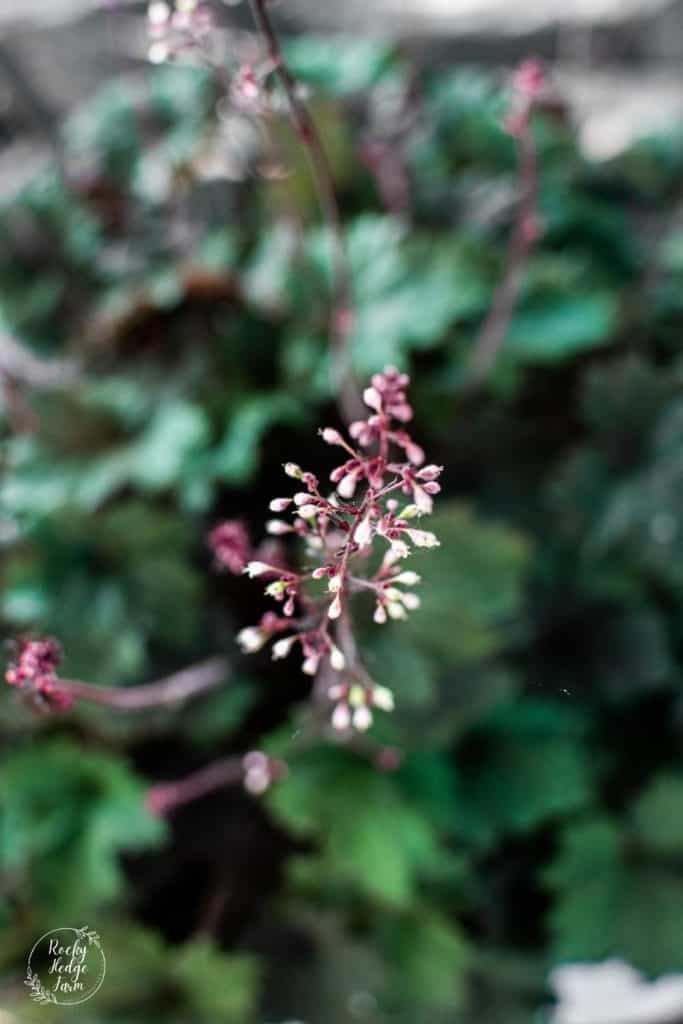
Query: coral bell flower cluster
{"type": "Point", "coordinates": [382, 488]}
{"type": "Point", "coordinates": [34, 671]}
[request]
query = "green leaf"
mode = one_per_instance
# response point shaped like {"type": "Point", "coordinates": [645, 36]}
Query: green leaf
{"type": "Point", "coordinates": [472, 586]}
{"type": "Point", "coordinates": [657, 817]}
{"type": "Point", "coordinates": [237, 457]}
{"type": "Point", "coordinates": [65, 816]}
{"type": "Point", "coordinates": [430, 955]}
{"type": "Point", "coordinates": [521, 767]}
{"type": "Point", "coordinates": [371, 838]}
{"type": "Point", "coordinates": [549, 328]}
{"type": "Point", "coordinates": [608, 904]}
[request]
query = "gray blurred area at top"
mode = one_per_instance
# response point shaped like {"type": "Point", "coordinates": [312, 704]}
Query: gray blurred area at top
{"type": "Point", "coordinates": [618, 62]}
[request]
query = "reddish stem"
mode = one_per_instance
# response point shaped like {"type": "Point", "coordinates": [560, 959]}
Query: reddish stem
{"type": "Point", "coordinates": [189, 682]}
{"type": "Point", "coordinates": [164, 796]}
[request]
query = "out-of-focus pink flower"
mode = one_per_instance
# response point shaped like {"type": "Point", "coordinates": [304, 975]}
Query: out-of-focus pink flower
{"type": "Point", "coordinates": [231, 545]}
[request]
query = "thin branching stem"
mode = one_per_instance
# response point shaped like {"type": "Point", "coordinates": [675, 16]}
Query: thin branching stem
{"type": "Point", "coordinates": [342, 312]}
{"type": "Point", "coordinates": [492, 334]}
{"type": "Point", "coordinates": [189, 682]}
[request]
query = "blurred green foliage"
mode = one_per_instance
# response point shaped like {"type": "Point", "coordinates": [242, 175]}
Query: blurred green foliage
{"type": "Point", "coordinates": [536, 814]}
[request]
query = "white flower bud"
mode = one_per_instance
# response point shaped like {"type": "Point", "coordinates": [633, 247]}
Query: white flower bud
{"type": "Point", "coordinates": [383, 698]}
{"type": "Point", "coordinates": [308, 511]}
{"type": "Point", "coordinates": [277, 527]}
{"type": "Point", "coordinates": [409, 578]}
{"type": "Point", "coordinates": [291, 469]}
{"type": "Point", "coordinates": [373, 399]}
{"type": "Point", "coordinates": [276, 588]}
{"type": "Point", "coordinates": [410, 512]}
{"type": "Point", "coordinates": [157, 53]}
{"type": "Point", "coordinates": [400, 548]}
{"type": "Point", "coordinates": [380, 616]}
{"type": "Point", "coordinates": [334, 585]}
{"type": "Point", "coordinates": [158, 13]}
{"type": "Point", "coordinates": [411, 601]}
{"type": "Point", "coordinates": [363, 532]}
{"type": "Point", "coordinates": [341, 717]}
{"type": "Point", "coordinates": [396, 610]}
{"type": "Point", "coordinates": [335, 609]}
{"type": "Point", "coordinates": [280, 504]}
{"type": "Point", "coordinates": [423, 538]}
{"type": "Point", "coordinates": [282, 647]}
{"type": "Point", "coordinates": [337, 659]}
{"type": "Point", "coordinates": [346, 487]}
{"type": "Point", "coordinates": [331, 436]}
{"type": "Point", "coordinates": [302, 498]}
{"type": "Point", "coordinates": [256, 569]}
{"type": "Point", "coordinates": [392, 594]}
{"type": "Point", "coordinates": [310, 665]}
{"type": "Point", "coordinates": [251, 639]}
{"type": "Point", "coordinates": [362, 718]}
{"type": "Point", "coordinates": [423, 501]}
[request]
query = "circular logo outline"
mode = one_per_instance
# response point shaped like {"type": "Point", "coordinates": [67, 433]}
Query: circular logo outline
{"type": "Point", "coordinates": [43, 995]}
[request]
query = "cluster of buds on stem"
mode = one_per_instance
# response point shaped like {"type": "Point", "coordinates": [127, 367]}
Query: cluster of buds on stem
{"type": "Point", "coordinates": [176, 27]}
{"type": "Point", "coordinates": [355, 539]}
{"type": "Point", "coordinates": [34, 672]}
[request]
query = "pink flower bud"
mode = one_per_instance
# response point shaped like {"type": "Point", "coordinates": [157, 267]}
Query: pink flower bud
{"type": "Point", "coordinates": [280, 504]}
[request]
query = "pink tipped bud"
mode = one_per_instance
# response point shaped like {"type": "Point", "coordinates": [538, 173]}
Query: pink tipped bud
{"type": "Point", "coordinates": [335, 609]}
{"type": "Point", "coordinates": [331, 436]}
{"type": "Point", "coordinates": [430, 472]}
{"type": "Point", "coordinates": [280, 504]}
{"type": "Point", "coordinates": [380, 616]}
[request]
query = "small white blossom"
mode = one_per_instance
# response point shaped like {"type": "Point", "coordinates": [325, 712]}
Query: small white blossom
{"type": "Point", "coordinates": [251, 639]}
{"type": "Point", "coordinates": [341, 717]}
{"type": "Point", "coordinates": [277, 527]}
{"type": "Point", "coordinates": [363, 532]}
{"type": "Point", "coordinates": [383, 698]}
{"type": "Point", "coordinates": [337, 659]}
{"type": "Point", "coordinates": [409, 578]}
{"type": "Point", "coordinates": [362, 718]}
{"type": "Point", "coordinates": [253, 569]}
{"type": "Point", "coordinates": [423, 538]}
{"type": "Point", "coordinates": [282, 647]}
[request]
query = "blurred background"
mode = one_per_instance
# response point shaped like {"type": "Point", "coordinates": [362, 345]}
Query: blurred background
{"type": "Point", "coordinates": [164, 283]}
